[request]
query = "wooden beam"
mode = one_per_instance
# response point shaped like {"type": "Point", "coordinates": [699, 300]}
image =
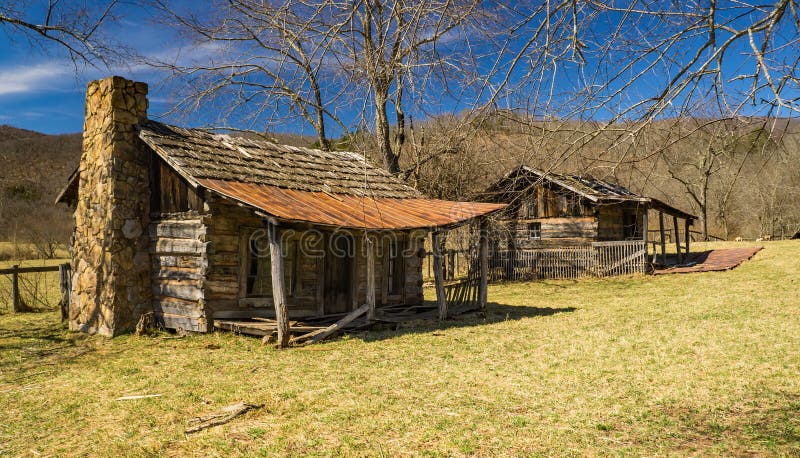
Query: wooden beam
{"type": "Point", "coordinates": [688, 236]}
{"type": "Point", "coordinates": [483, 256]}
{"type": "Point", "coordinates": [677, 238]}
{"type": "Point", "coordinates": [324, 333]}
{"type": "Point", "coordinates": [370, 247]}
{"type": "Point", "coordinates": [278, 294]}
{"type": "Point", "coordinates": [438, 277]}
{"type": "Point", "coordinates": [65, 285]}
{"type": "Point", "coordinates": [663, 237]}
{"type": "Point", "coordinates": [644, 230]}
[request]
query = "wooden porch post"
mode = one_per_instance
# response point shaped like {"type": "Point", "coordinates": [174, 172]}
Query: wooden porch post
{"type": "Point", "coordinates": [438, 277]}
{"type": "Point", "coordinates": [278, 295]}
{"type": "Point", "coordinates": [688, 236]}
{"type": "Point", "coordinates": [370, 276]}
{"type": "Point", "coordinates": [677, 238]}
{"type": "Point", "coordinates": [645, 230]}
{"type": "Point", "coordinates": [663, 238]}
{"type": "Point", "coordinates": [483, 255]}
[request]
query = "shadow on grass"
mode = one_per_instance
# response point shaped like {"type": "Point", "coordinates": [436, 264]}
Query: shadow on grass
{"type": "Point", "coordinates": [29, 343]}
{"type": "Point", "coordinates": [495, 313]}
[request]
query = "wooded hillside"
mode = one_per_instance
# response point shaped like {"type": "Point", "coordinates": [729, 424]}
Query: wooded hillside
{"type": "Point", "coordinates": [35, 168]}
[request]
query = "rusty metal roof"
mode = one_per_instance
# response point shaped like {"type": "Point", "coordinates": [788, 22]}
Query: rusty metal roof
{"type": "Point", "coordinates": [350, 211]}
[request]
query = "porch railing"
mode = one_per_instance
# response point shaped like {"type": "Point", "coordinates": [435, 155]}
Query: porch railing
{"type": "Point", "coordinates": [600, 259]}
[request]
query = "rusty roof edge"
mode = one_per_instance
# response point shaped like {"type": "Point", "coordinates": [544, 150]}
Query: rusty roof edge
{"type": "Point", "coordinates": [453, 224]}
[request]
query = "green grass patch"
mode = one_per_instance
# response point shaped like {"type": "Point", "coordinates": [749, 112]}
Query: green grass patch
{"type": "Point", "coordinates": [698, 364]}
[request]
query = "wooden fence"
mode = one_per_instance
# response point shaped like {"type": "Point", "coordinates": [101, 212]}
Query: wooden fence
{"type": "Point", "coordinates": [462, 295]}
{"type": "Point", "coordinates": [600, 259]}
{"type": "Point", "coordinates": [36, 290]}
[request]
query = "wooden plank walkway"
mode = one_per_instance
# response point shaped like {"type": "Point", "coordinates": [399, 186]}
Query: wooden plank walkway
{"type": "Point", "coordinates": [383, 314]}
{"type": "Point", "coordinates": [714, 260]}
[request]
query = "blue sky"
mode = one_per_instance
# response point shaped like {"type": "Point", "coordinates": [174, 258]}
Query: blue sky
{"type": "Point", "coordinates": [41, 90]}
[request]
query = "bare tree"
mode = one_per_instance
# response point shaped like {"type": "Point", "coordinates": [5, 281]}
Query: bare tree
{"type": "Point", "coordinates": [316, 59]}
{"type": "Point", "coordinates": [393, 47]}
{"type": "Point", "coordinates": [271, 65]}
{"type": "Point", "coordinates": [69, 25]}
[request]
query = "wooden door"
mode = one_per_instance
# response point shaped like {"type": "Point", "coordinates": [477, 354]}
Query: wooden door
{"type": "Point", "coordinates": [338, 285]}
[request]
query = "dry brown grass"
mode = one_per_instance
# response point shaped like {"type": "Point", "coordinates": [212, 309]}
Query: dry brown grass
{"type": "Point", "coordinates": [704, 364]}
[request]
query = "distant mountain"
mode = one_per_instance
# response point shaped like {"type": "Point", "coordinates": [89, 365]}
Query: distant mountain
{"type": "Point", "coordinates": [35, 167]}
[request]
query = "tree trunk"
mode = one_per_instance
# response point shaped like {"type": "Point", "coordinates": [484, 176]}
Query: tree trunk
{"type": "Point", "coordinates": [390, 159]}
{"type": "Point", "coordinates": [324, 143]}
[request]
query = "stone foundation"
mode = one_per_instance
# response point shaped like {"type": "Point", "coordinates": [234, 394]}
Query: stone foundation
{"type": "Point", "coordinates": [111, 263]}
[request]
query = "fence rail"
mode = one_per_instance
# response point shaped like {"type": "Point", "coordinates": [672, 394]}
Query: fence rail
{"type": "Point", "coordinates": [600, 259]}
{"type": "Point", "coordinates": [38, 290]}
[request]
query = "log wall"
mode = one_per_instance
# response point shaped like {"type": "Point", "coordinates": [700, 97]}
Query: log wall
{"type": "Point", "coordinates": [514, 234]}
{"type": "Point", "coordinates": [179, 255]}
{"type": "Point", "coordinates": [611, 221]}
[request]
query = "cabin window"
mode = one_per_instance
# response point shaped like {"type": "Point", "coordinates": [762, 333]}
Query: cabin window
{"type": "Point", "coordinates": [531, 207]}
{"type": "Point", "coordinates": [394, 270]}
{"type": "Point", "coordinates": [259, 268]}
{"type": "Point", "coordinates": [534, 231]}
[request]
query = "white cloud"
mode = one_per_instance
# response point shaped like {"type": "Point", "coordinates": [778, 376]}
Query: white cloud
{"type": "Point", "coordinates": [29, 78]}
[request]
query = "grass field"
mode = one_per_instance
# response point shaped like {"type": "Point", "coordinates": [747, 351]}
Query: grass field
{"type": "Point", "coordinates": [703, 364]}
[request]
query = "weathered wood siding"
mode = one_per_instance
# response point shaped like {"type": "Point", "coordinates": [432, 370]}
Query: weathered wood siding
{"type": "Point", "coordinates": [565, 220]}
{"type": "Point", "coordinates": [413, 252]}
{"type": "Point", "coordinates": [620, 221]}
{"type": "Point", "coordinates": [554, 232]}
{"type": "Point", "coordinates": [228, 224]}
{"type": "Point", "coordinates": [180, 262]}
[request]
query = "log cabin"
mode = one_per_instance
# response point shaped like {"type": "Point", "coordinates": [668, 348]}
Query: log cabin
{"type": "Point", "coordinates": [549, 210]}
{"type": "Point", "coordinates": [192, 227]}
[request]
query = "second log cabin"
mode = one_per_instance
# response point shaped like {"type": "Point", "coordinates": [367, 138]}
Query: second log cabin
{"type": "Point", "coordinates": [554, 210]}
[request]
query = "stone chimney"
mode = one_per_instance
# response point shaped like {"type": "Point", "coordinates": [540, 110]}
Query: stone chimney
{"type": "Point", "coordinates": [111, 264]}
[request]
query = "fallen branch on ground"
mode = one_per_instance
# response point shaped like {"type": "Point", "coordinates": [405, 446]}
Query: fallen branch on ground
{"type": "Point", "coordinates": [227, 414]}
{"type": "Point", "coordinates": [139, 396]}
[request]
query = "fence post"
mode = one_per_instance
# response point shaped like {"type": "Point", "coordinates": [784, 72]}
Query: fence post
{"type": "Point", "coordinates": [65, 281]}
{"type": "Point", "coordinates": [15, 306]}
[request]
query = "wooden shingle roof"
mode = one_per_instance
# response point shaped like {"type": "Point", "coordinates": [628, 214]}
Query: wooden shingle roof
{"type": "Point", "coordinates": [591, 188]}
{"type": "Point", "coordinates": [197, 155]}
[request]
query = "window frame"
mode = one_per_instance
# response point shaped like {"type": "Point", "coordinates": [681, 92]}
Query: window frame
{"type": "Point", "coordinates": [534, 230]}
